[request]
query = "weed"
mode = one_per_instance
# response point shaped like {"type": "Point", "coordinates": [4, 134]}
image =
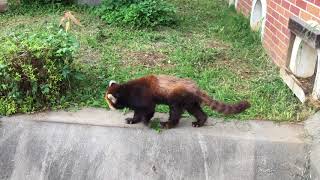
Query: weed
{"type": "Point", "coordinates": [67, 19]}
{"type": "Point", "coordinates": [155, 125]}
{"type": "Point", "coordinates": [36, 69]}
{"type": "Point", "coordinates": [141, 13]}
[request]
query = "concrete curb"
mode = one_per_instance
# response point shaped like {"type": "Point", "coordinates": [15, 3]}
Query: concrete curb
{"type": "Point", "coordinates": [264, 130]}
{"type": "Point", "coordinates": [312, 126]}
{"type": "Point", "coordinates": [96, 144]}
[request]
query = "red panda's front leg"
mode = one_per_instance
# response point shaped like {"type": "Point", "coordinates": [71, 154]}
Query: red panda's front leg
{"type": "Point", "coordinates": [143, 115]}
{"type": "Point", "coordinates": [137, 117]}
{"type": "Point", "coordinates": [148, 115]}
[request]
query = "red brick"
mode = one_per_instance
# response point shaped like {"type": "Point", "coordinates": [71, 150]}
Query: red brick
{"type": "Point", "coordinates": [267, 44]}
{"type": "Point", "coordinates": [272, 28]}
{"type": "Point", "coordinates": [280, 62]}
{"type": "Point", "coordinates": [270, 18]}
{"type": "Point", "coordinates": [305, 16]}
{"type": "Point", "coordinates": [267, 36]}
{"type": "Point", "coordinates": [281, 36]}
{"type": "Point", "coordinates": [283, 20]}
{"type": "Point", "coordinates": [274, 56]}
{"type": "Point", "coordinates": [277, 2]}
{"type": "Point", "coordinates": [312, 1]}
{"type": "Point", "coordinates": [277, 50]}
{"type": "Point", "coordinates": [272, 5]}
{"type": "Point", "coordinates": [286, 31]}
{"type": "Point", "coordinates": [285, 4]}
{"type": "Point", "coordinates": [313, 10]}
{"type": "Point", "coordinates": [277, 24]}
{"type": "Point", "coordinates": [275, 39]}
{"type": "Point", "coordinates": [294, 10]}
{"type": "Point", "coordinates": [316, 19]}
{"type": "Point", "coordinates": [283, 48]}
{"type": "Point", "coordinates": [268, 24]}
{"type": "Point", "coordinates": [248, 7]}
{"type": "Point", "coordinates": [288, 14]}
{"type": "Point", "coordinates": [301, 4]}
{"type": "Point", "coordinates": [280, 10]}
{"type": "Point", "coordinates": [275, 14]}
{"type": "Point", "coordinates": [247, 3]}
{"type": "Point", "coordinates": [269, 9]}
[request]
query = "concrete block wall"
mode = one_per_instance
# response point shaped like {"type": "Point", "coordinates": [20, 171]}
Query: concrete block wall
{"type": "Point", "coordinates": [276, 34]}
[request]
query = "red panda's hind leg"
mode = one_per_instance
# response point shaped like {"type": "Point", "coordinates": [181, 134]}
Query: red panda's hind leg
{"type": "Point", "coordinates": [174, 117]}
{"type": "Point", "coordinates": [198, 113]}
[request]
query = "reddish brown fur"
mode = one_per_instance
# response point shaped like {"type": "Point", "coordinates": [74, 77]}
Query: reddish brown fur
{"type": "Point", "coordinates": [143, 94]}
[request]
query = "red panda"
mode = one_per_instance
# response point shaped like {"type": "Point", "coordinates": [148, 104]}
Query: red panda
{"type": "Point", "coordinates": [143, 94]}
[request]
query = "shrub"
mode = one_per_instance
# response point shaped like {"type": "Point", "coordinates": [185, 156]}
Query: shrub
{"type": "Point", "coordinates": [138, 13]}
{"type": "Point", "coordinates": [45, 1]}
{"type": "Point", "coordinates": [116, 4]}
{"type": "Point", "coordinates": [36, 69]}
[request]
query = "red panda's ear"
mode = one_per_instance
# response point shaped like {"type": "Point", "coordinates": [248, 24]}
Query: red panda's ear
{"type": "Point", "coordinates": [112, 82]}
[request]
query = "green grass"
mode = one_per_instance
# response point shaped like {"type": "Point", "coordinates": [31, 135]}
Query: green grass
{"type": "Point", "coordinates": [211, 44]}
{"type": "Point", "coordinates": [155, 125]}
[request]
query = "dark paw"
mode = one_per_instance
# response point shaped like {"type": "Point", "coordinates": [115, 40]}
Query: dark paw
{"type": "Point", "coordinates": [165, 125]}
{"type": "Point", "coordinates": [130, 121]}
{"type": "Point", "coordinates": [197, 124]}
{"type": "Point", "coordinates": [146, 123]}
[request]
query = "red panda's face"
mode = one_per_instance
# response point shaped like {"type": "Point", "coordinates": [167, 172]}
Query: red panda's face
{"type": "Point", "coordinates": [112, 96]}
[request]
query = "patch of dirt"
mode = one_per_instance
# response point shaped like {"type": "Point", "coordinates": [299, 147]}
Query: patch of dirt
{"type": "Point", "coordinates": [159, 45]}
{"type": "Point", "coordinates": [147, 59]}
{"type": "Point", "coordinates": [241, 68]}
{"type": "Point", "coordinates": [214, 44]}
{"type": "Point", "coordinates": [307, 83]}
{"type": "Point", "coordinates": [89, 56]}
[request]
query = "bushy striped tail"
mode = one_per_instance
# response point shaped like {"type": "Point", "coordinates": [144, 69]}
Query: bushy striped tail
{"type": "Point", "coordinates": [224, 108]}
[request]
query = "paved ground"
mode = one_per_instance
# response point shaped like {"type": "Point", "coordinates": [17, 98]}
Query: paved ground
{"type": "Point", "coordinates": [313, 129]}
{"type": "Point", "coordinates": [96, 144]}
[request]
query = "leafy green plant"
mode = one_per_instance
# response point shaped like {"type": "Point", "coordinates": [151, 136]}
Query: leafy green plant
{"type": "Point", "coordinates": [155, 125]}
{"type": "Point", "coordinates": [138, 13]}
{"type": "Point", "coordinates": [36, 69]}
{"type": "Point", "coordinates": [45, 1]}
{"type": "Point", "coordinates": [116, 4]}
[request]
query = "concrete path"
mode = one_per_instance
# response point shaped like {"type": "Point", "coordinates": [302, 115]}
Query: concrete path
{"type": "Point", "coordinates": [312, 126]}
{"type": "Point", "coordinates": [97, 144]}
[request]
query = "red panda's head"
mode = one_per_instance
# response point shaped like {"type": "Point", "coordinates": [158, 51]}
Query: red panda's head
{"type": "Point", "coordinates": [112, 96]}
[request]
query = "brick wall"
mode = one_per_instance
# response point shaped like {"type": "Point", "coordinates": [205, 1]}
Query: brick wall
{"type": "Point", "coordinates": [276, 35]}
{"type": "Point", "coordinates": [244, 6]}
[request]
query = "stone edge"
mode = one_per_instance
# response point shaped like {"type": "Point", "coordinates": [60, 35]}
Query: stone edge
{"type": "Point", "coordinates": [312, 127]}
